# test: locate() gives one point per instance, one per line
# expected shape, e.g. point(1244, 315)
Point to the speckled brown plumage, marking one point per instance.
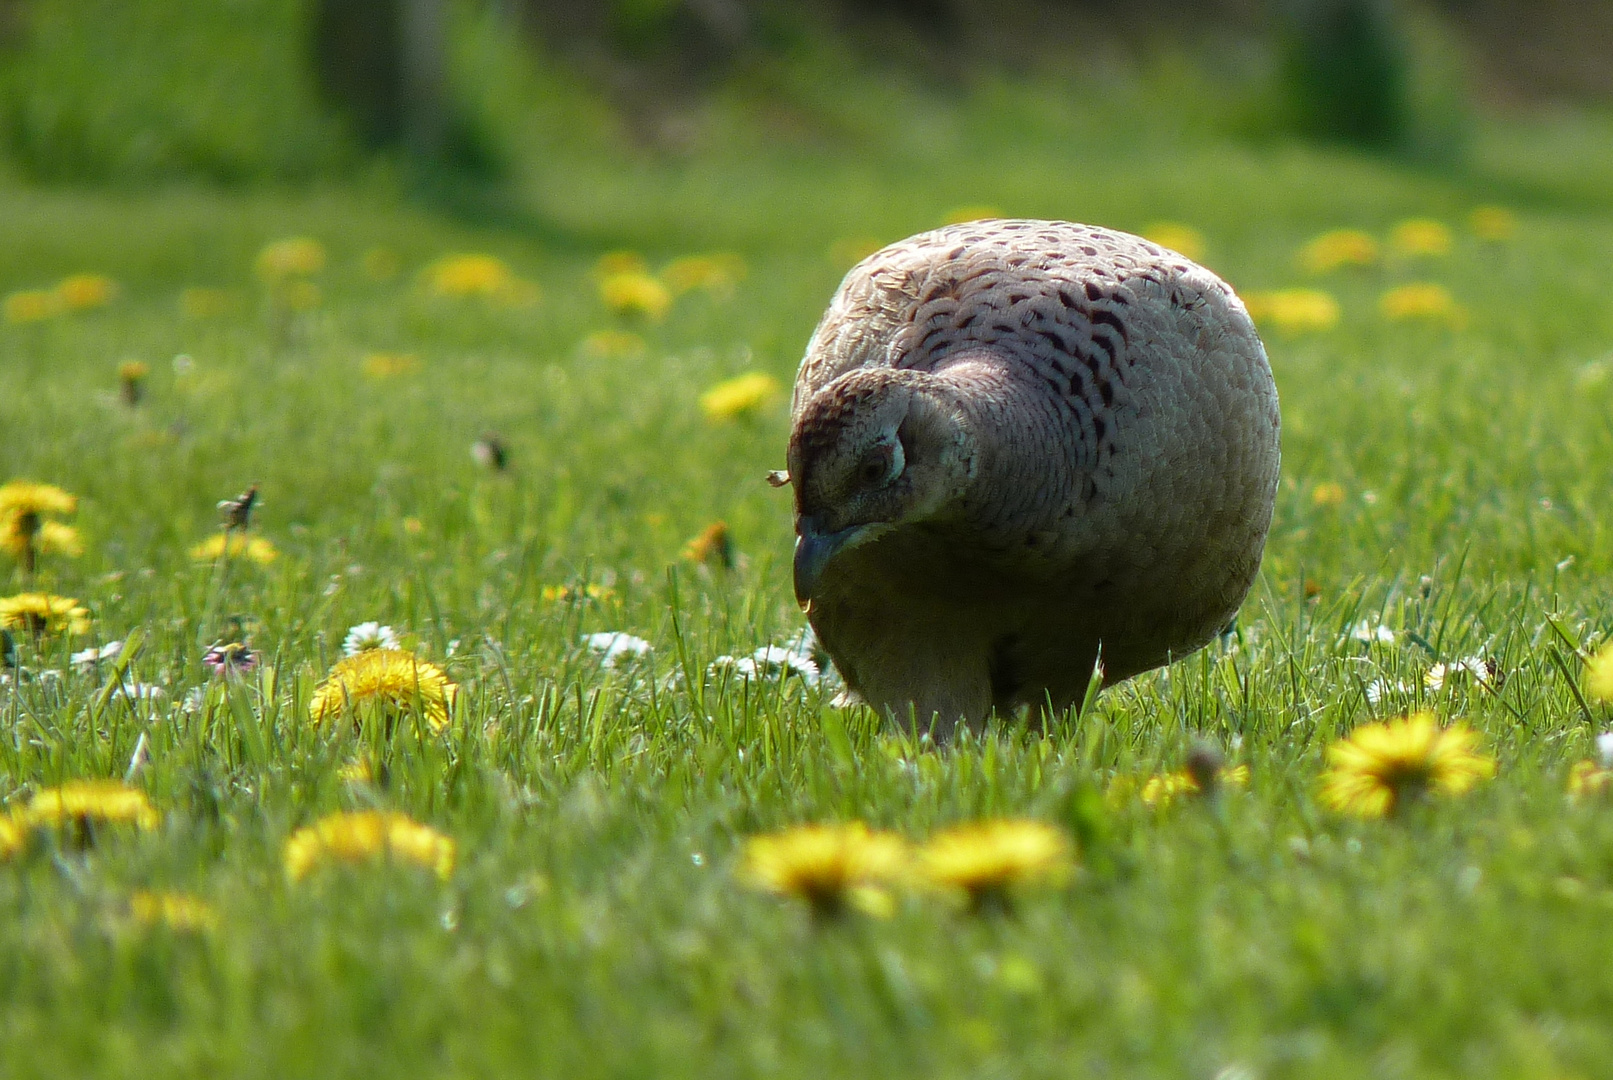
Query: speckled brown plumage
point(1013, 441)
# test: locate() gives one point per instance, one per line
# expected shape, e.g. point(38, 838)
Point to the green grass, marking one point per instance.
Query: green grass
point(594, 926)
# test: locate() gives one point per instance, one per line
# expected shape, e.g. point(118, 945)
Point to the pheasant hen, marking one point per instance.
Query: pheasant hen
point(1019, 448)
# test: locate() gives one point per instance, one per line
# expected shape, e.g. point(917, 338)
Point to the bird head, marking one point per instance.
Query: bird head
point(874, 450)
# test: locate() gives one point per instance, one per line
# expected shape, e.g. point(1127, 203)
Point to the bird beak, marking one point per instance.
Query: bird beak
point(814, 550)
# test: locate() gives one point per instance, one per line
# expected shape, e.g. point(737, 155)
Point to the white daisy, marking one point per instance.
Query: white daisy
point(616, 649)
point(139, 691)
point(1366, 632)
point(1604, 747)
point(369, 635)
point(1476, 666)
point(770, 662)
point(91, 657)
point(1378, 689)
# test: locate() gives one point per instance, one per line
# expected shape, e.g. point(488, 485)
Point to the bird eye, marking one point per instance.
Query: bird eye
point(882, 465)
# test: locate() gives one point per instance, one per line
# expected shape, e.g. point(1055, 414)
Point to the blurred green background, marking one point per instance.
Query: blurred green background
point(500, 96)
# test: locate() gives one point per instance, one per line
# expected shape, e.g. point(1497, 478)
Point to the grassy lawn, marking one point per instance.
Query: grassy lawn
point(1445, 477)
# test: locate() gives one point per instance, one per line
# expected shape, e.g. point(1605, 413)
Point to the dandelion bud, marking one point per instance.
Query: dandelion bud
point(490, 452)
point(132, 381)
point(237, 512)
point(1204, 764)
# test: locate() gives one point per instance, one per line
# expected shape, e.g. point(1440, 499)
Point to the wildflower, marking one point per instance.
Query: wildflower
point(131, 380)
point(1492, 223)
point(32, 305)
point(576, 593)
point(1327, 494)
point(1341, 247)
point(460, 276)
point(92, 656)
point(1381, 767)
point(202, 303)
point(235, 545)
point(635, 293)
point(80, 805)
point(1422, 300)
point(14, 837)
point(739, 396)
point(490, 452)
point(1184, 239)
point(1420, 236)
point(828, 866)
point(177, 911)
point(616, 649)
point(714, 544)
point(770, 662)
point(230, 658)
point(380, 365)
point(1604, 748)
point(975, 212)
point(26, 530)
point(134, 692)
point(1294, 311)
point(381, 264)
point(988, 860)
point(389, 681)
point(1380, 689)
point(81, 292)
point(367, 836)
point(613, 344)
point(1366, 633)
point(293, 257)
point(716, 274)
point(355, 772)
point(1479, 667)
point(620, 262)
point(43, 613)
point(1162, 790)
point(1599, 674)
point(368, 635)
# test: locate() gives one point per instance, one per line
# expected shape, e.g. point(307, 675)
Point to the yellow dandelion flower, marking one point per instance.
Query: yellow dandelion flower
point(179, 912)
point(714, 544)
point(381, 264)
point(1420, 236)
point(1381, 767)
point(1599, 674)
point(14, 836)
point(295, 256)
point(828, 866)
point(252, 548)
point(613, 345)
point(1422, 300)
point(717, 274)
point(33, 305)
point(81, 292)
point(989, 859)
point(81, 804)
point(459, 276)
point(365, 837)
point(1588, 780)
point(1340, 247)
point(43, 613)
point(1327, 494)
point(133, 370)
point(739, 396)
point(202, 303)
point(636, 294)
point(575, 593)
point(958, 215)
point(355, 772)
point(1492, 223)
point(389, 681)
point(27, 497)
point(620, 262)
point(1294, 311)
point(51, 538)
point(1162, 790)
point(1181, 238)
point(379, 365)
